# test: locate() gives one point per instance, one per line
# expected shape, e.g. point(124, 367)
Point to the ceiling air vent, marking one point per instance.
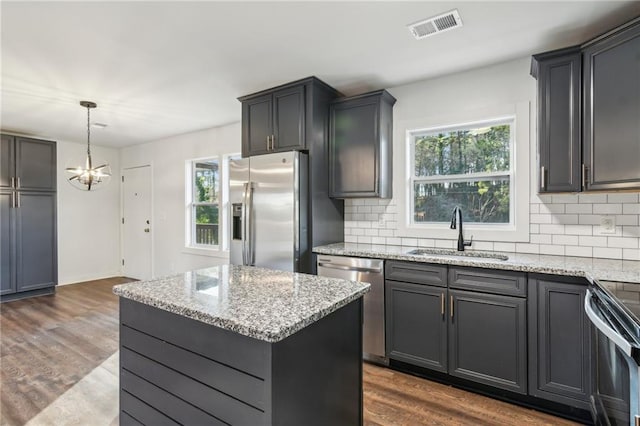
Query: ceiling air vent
point(436, 24)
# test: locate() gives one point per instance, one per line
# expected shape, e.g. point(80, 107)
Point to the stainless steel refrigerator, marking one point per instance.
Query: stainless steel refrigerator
point(269, 211)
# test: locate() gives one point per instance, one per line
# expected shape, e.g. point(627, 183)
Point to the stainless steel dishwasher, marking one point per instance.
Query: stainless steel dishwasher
point(372, 272)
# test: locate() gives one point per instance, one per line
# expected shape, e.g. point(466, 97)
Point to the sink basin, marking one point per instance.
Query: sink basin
point(455, 253)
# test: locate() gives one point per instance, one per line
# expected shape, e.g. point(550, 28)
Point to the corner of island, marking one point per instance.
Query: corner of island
point(241, 345)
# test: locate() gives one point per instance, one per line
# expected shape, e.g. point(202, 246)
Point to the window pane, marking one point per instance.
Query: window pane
point(207, 225)
point(482, 201)
point(206, 181)
point(482, 149)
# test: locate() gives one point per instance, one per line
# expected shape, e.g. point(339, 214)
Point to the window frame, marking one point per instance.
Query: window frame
point(412, 134)
point(192, 205)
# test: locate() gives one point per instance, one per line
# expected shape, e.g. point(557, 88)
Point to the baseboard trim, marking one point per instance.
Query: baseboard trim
point(84, 278)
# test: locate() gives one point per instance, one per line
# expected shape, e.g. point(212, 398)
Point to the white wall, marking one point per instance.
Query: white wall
point(88, 222)
point(557, 224)
point(167, 158)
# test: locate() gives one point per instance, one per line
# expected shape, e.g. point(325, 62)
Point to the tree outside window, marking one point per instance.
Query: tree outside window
point(206, 204)
point(466, 166)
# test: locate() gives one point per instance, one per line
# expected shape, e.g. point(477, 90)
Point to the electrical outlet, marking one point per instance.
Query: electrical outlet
point(607, 224)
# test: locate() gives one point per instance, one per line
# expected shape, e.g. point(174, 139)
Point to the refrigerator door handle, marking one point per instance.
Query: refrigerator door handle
point(250, 218)
point(245, 193)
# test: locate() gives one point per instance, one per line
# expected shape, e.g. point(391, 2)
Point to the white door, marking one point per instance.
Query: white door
point(136, 225)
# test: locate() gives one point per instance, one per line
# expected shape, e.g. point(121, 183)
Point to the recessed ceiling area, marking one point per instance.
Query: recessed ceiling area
point(158, 69)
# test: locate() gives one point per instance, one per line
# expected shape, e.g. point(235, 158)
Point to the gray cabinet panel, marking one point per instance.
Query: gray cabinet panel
point(35, 164)
point(612, 110)
point(7, 164)
point(360, 152)
point(512, 283)
point(416, 324)
point(419, 273)
point(559, 341)
point(256, 125)
point(559, 125)
point(36, 240)
point(288, 119)
point(7, 243)
point(487, 339)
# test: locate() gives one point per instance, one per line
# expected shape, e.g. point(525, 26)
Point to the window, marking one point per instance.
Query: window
point(205, 203)
point(470, 166)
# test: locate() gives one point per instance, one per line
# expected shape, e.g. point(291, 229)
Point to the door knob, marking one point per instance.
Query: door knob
point(146, 229)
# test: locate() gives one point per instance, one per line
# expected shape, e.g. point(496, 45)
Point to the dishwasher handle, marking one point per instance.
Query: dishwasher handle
point(349, 268)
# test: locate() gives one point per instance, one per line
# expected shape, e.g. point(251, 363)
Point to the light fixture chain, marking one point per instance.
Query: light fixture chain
point(89, 131)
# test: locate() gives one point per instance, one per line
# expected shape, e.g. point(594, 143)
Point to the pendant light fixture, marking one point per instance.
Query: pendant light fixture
point(88, 177)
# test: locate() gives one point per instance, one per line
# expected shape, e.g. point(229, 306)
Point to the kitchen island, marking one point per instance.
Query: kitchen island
point(241, 345)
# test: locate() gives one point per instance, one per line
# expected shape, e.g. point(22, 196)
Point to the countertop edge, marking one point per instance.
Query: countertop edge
point(232, 326)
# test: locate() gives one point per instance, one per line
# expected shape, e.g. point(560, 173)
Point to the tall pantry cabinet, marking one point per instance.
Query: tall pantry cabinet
point(28, 243)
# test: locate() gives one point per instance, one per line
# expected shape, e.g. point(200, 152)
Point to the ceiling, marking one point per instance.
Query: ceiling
point(158, 69)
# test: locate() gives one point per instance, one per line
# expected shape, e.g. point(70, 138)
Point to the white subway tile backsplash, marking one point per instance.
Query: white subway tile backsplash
point(393, 241)
point(592, 198)
point(540, 239)
point(552, 250)
point(552, 229)
point(527, 248)
point(578, 251)
point(630, 254)
point(508, 247)
point(627, 219)
point(592, 241)
point(567, 240)
point(631, 209)
point(578, 229)
point(566, 219)
point(579, 208)
point(607, 253)
point(607, 209)
point(622, 242)
point(560, 224)
point(622, 198)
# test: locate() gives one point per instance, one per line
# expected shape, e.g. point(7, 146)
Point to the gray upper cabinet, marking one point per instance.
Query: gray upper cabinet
point(488, 339)
point(559, 341)
point(612, 110)
point(27, 164)
point(7, 163)
point(416, 324)
point(274, 120)
point(360, 146)
point(559, 138)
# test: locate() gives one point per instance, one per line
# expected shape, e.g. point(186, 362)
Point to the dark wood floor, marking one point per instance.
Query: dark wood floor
point(49, 343)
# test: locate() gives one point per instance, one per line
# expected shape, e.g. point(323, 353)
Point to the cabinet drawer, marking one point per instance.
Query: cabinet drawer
point(418, 273)
point(511, 283)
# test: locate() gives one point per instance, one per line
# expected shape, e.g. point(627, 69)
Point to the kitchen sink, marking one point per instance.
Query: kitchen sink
point(455, 253)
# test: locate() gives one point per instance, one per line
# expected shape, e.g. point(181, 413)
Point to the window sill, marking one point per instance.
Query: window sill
point(210, 252)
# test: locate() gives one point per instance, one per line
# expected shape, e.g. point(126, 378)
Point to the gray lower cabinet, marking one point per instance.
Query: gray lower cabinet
point(416, 324)
point(559, 341)
point(488, 339)
point(7, 243)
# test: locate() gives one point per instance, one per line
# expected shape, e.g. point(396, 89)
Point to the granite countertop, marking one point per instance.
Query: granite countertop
point(261, 303)
point(591, 268)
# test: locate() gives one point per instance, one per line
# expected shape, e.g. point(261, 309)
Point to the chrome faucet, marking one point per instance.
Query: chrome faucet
point(456, 218)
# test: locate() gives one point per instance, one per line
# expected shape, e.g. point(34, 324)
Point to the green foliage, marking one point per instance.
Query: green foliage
point(459, 153)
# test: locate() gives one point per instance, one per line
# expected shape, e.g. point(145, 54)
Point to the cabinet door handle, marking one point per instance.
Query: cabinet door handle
point(13, 200)
point(13, 182)
point(273, 142)
point(268, 142)
point(451, 307)
point(543, 178)
point(18, 200)
point(442, 304)
point(18, 184)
